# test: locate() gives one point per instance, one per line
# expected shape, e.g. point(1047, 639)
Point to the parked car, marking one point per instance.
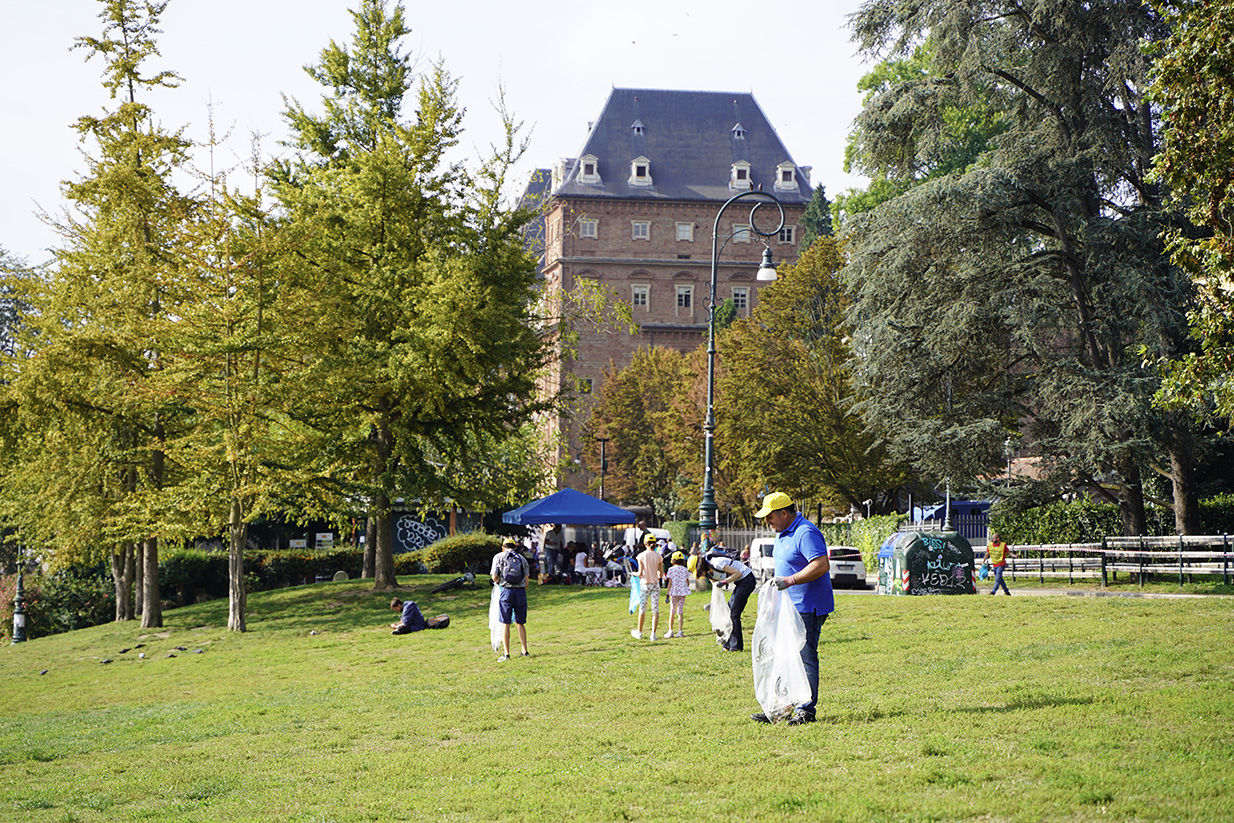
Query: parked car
point(847, 569)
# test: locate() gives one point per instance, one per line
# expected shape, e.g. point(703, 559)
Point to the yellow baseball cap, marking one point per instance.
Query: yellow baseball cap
point(649, 538)
point(773, 502)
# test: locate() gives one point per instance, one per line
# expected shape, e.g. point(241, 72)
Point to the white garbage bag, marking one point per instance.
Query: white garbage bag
point(721, 620)
point(495, 629)
point(780, 682)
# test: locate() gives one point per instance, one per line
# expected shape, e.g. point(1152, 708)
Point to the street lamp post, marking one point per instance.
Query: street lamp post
point(766, 273)
point(603, 463)
point(19, 604)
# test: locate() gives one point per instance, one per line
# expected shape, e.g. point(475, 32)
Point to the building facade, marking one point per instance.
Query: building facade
point(634, 212)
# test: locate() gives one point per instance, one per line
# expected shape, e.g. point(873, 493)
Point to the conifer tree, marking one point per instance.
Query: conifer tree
point(1011, 294)
point(93, 436)
point(426, 348)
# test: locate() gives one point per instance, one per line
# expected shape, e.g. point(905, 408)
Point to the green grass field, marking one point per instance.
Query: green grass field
point(961, 708)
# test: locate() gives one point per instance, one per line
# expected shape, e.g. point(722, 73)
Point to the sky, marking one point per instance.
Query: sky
point(556, 64)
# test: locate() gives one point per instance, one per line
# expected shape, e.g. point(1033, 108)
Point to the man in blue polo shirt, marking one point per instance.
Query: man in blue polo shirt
point(803, 570)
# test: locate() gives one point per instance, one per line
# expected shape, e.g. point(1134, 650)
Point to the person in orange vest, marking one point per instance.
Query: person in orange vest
point(997, 553)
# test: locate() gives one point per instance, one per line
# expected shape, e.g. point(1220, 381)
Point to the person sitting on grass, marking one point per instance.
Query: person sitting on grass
point(411, 619)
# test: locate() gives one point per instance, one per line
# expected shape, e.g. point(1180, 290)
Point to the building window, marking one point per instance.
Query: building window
point(742, 233)
point(640, 172)
point(640, 229)
point(788, 234)
point(685, 297)
point(638, 295)
point(741, 298)
point(589, 169)
point(588, 227)
point(786, 177)
point(739, 132)
point(685, 231)
point(739, 177)
point(639, 129)
point(586, 385)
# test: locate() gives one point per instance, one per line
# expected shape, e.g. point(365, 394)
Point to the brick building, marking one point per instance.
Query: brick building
point(635, 211)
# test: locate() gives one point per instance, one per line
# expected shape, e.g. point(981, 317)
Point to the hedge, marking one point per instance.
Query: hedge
point(1087, 521)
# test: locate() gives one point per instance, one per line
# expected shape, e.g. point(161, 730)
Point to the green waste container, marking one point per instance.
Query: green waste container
point(926, 563)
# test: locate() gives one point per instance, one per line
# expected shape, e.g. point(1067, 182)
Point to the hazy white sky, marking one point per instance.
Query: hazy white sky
point(557, 63)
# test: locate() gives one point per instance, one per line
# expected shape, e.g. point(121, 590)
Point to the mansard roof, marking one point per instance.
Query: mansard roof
point(691, 140)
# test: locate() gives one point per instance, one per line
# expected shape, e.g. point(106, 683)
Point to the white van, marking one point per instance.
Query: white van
point(631, 537)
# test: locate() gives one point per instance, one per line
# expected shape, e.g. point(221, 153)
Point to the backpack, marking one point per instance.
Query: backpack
point(511, 568)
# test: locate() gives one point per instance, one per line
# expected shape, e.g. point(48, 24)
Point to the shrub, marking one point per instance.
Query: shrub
point(865, 535)
point(1087, 521)
point(72, 598)
point(679, 530)
point(472, 551)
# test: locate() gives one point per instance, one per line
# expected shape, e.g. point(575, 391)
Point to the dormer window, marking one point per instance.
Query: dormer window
point(640, 172)
point(786, 177)
point(739, 176)
point(589, 169)
point(639, 128)
point(739, 132)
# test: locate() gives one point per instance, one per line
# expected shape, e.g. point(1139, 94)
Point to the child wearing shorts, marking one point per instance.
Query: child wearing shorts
point(678, 587)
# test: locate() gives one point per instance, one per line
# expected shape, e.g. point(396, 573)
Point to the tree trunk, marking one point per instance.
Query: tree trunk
point(122, 568)
point(370, 545)
point(383, 553)
point(237, 531)
point(152, 600)
point(139, 579)
point(1182, 473)
point(1131, 501)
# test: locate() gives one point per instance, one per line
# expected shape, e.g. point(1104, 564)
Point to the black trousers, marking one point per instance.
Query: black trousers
point(742, 590)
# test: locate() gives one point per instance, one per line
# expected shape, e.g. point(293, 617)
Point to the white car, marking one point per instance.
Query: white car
point(847, 569)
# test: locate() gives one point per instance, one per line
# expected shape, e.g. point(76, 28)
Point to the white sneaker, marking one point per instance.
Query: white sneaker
point(653, 635)
point(636, 634)
point(681, 634)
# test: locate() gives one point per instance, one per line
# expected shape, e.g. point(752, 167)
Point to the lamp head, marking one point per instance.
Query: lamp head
point(766, 271)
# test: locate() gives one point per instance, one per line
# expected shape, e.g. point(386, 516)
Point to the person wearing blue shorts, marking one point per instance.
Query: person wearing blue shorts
point(510, 571)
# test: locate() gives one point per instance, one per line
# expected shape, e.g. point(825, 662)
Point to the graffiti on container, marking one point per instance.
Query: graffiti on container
point(938, 567)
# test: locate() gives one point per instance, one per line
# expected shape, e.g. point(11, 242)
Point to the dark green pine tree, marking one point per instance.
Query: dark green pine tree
point(1009, 295)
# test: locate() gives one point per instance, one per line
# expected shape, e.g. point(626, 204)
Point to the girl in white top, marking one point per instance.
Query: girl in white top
point(678, 587)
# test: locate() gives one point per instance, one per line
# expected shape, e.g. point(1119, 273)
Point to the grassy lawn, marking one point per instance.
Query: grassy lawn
point(936, 708)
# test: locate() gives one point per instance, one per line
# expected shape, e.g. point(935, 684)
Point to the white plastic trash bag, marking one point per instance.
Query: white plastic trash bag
point(721, 620)
point(780, 683)
point(636, 592)
point(495, 629)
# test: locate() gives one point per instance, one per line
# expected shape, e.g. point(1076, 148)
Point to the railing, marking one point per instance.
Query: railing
point(1183, 555)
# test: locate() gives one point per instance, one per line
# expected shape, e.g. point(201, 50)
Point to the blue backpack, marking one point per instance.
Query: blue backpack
point(511, 568)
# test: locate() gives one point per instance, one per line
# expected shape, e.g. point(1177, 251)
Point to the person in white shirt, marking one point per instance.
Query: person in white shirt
point(721, 569)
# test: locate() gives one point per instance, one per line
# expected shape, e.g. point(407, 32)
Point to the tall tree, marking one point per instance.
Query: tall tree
point(1193, 85)
point(1012, 291)
point(787, 392)
point(426, 345)
point(91, 343)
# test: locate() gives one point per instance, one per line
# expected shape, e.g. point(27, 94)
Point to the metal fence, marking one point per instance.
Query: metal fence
point(1137, 558)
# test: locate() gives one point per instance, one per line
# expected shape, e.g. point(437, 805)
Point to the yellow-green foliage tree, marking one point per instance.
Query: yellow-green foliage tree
point(786, 394)
point(1192, 83)
point(426, 349)
point(92, 465)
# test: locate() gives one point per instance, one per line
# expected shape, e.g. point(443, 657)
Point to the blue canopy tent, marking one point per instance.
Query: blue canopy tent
point(568, 507)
